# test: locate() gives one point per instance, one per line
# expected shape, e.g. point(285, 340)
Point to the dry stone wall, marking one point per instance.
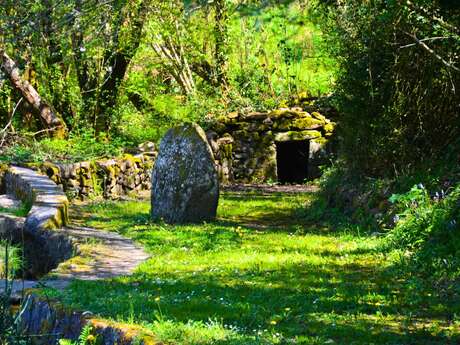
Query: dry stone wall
point(52, 322)
point(110, 178)
point(244, 144)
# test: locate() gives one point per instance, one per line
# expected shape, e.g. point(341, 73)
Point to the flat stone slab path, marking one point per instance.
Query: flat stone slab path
point(104, 255)
point(9, 202)
point(113, 255)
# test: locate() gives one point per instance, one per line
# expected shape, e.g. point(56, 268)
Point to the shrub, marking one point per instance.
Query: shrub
point(427, 229)
point(399, 101)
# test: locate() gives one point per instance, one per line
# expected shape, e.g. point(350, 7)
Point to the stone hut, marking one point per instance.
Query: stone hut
point(286, 145)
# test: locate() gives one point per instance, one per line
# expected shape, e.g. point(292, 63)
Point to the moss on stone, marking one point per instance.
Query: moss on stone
point(322, 141)
point(96, 181)
point(131, 333)
point(318, 116)
point(329, 127)
point(226, 151)
point(301, 123)
point(246, 126)
point(134, 160)
point(47, 168)
point(293, 136)
point(242, 134)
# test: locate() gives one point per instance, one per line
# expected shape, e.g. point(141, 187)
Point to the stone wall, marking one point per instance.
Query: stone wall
point(53, 321)
point(110, 178)
point(44, 246)
point(244, 144)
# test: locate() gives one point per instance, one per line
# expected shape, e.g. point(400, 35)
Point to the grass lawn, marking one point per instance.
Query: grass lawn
point(261, 275)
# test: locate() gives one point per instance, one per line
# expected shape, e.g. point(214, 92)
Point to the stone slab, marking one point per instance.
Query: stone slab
point(9, 202)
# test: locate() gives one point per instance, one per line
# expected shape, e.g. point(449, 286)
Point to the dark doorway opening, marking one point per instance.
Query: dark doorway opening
point(292, 161)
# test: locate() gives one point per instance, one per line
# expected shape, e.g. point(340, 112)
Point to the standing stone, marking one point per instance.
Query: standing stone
point(185, 185)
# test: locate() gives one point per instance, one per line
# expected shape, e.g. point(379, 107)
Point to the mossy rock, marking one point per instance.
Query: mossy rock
point(281, 113)
point(244, 126)
point(295, 136)
point(52, 171)
point(3, 169)
point(135, 160)
point(125, 334)
point(321, 141)
point(318, 116)
point(329, 127)
point(185, 184)
point(303, 123)
point(242, 134)
point(288, 113)
point(255, 116)
point(233, 115)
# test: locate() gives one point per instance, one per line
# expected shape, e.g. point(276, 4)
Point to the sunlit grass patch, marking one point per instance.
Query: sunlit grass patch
point(260, 274)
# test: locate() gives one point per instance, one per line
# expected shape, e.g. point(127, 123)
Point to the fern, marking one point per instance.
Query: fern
point(84, 335)
point(85, 338)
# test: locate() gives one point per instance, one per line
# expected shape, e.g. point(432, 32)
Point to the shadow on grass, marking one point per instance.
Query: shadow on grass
point(345, 294)
point(295, 213)
point(356, 304)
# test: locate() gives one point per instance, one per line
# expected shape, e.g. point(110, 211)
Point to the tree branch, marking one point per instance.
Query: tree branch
point(432, 52)
point(47, 115)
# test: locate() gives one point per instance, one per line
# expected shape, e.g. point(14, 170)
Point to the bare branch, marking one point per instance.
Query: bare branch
point(424, 40)
point(4, 130)
point(432, 52)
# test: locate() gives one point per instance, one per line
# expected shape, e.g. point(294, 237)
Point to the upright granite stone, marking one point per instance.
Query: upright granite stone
point(185, 184)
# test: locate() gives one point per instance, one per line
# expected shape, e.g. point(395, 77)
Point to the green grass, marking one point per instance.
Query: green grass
point(261, 275)
point(10, 260)
point(20, 211)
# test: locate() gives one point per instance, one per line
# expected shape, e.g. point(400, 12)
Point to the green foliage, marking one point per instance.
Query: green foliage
point(428, 228)
point(419, 225)
point(277, 52)
point(398, 100)
point(74, 64)
point(346, 197)
point(11, 261)
point(10, 332)
point(115, 83)
point(78, 147)
point(160, 113)
point(20, 211)
point(85, 338)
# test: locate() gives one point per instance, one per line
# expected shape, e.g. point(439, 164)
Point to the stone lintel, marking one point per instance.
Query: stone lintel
point(296, 136)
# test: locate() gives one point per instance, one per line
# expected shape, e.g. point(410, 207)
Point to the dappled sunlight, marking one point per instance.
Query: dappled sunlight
point(264, 286)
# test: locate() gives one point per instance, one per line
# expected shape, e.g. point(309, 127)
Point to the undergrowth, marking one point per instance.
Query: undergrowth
point(78, 147)
point(417, 215)
point(427, 230)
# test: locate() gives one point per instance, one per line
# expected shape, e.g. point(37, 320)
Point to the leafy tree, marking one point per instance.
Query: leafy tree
point(78, 51)
point(398, 87)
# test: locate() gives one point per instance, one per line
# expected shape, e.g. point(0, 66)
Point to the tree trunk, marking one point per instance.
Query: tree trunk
point(52, 122)
point(221, 42)
point(109, 92)
point(175, 62)
point(118, 63)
